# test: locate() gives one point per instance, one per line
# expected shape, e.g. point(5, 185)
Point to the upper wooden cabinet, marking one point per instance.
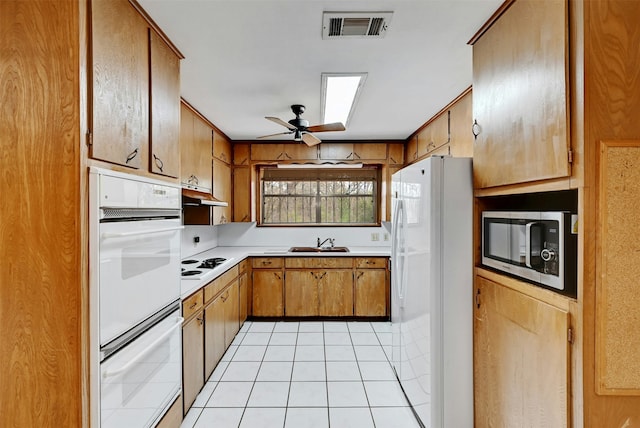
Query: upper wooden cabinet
point(165, 108)
point(242, 194)
point(196, 139)
point(520, 95)
point(120, 84)
point(135, 91)
point(396, 154)
point(221, 147)
point(221, 191)
point(283, 151)
point(241, 154)
point(353, 152)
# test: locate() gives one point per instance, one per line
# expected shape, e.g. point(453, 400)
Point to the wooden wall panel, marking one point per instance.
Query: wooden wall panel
point(42, 247)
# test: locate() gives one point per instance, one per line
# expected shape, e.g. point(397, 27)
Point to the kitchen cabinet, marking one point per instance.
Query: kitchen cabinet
point(196, 145)
point(241, 154)
point(242, 194)
point(371, 293)
point(192, 354)
point(214, 334)
point(222, 191)
point(411, 151)
point(521, 356)
point(221, 147)
point(243, 292)
point(520, 95)
point(231, 299)
point(301, 293)
point(396, 154)
point(135, 91)
point(165, 109)
point(434, 135)
point(353, 151)
point(120, 84)
point(267, 287)
point(173, 417)
point(318, 292)
point(283, 152)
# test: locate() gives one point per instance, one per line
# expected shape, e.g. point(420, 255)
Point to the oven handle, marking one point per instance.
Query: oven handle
point(145, 351)
point(107, 235)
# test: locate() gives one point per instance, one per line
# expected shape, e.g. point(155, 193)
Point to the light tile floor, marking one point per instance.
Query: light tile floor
point(304, 375)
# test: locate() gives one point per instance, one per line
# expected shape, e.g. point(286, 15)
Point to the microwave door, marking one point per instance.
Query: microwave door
point(534, 242)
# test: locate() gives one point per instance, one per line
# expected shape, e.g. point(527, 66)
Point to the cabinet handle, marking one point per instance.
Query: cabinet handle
point(245, 218)
point(277, 276)
point(475, 129)
point(132, 155)
point(193, 305)
point(266, 262)
point(158, 162)
point(360, 275)
point(287, 156)
point(355, 155)
point(280, 156)
point(225, 296)
point(223, 157)
point(192, 179)
point(322, 276)
point(200, 320)
point(350, 155)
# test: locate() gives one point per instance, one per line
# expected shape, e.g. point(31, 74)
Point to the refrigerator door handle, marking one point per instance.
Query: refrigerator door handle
point(397, 252)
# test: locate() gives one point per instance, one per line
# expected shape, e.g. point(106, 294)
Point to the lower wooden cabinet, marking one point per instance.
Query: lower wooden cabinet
point(371, 292)
point(173, 417)
point(243, 293)
point(267, 295)
point(320, 286)
point(192, 358)
point(214, 334)
point(231, 299)
point(521, 360)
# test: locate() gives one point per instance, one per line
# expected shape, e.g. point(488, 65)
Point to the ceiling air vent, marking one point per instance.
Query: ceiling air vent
point(363, 25)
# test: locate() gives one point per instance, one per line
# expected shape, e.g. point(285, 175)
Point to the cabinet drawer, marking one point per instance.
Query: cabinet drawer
point(243, 266)
point(318, 262)
point(215, 286)
point(192, 304)
point(267, 262)
point(371, 262)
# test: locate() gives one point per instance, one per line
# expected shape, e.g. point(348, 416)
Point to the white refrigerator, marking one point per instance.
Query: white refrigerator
point(432, 289)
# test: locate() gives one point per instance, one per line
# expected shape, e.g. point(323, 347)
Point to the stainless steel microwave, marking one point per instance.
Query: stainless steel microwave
point(539, 247)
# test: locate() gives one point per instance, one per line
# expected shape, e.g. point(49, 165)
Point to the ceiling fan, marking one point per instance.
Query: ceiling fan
point(301, 129)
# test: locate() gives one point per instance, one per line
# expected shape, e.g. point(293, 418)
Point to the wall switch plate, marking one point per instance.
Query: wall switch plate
point(385, 236)
point(196, 239)
point(375, 236)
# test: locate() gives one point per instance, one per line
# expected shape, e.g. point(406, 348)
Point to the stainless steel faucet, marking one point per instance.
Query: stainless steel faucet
point(320, 244)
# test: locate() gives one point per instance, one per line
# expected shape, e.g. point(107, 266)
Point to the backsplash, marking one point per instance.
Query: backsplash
point(208, 237)
point(248, 235)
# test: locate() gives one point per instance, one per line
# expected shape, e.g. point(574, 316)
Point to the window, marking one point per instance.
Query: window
point(320, 196)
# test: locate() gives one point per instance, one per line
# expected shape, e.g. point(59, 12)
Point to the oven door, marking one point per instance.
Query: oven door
point(140, 380)
point(139, 272)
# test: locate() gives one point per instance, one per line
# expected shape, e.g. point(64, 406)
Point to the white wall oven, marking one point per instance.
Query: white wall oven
point(135, 227)
point(537, 246)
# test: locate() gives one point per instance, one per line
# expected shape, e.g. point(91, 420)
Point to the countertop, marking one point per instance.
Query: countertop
point(235, 255)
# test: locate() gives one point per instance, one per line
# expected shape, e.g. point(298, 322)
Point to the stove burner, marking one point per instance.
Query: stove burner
point(211, 263)
point(191, 272)
point(188, 262)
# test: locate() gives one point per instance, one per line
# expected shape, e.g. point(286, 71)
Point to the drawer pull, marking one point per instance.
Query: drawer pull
point(360, 275)
point(193, 305)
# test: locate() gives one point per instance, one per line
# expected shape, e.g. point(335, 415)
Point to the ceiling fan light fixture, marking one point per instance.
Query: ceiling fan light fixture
point(340, 93)
point(297, 136)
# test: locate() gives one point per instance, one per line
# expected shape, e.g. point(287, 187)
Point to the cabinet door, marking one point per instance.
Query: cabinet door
point(241, 154)
point(396, 154)
point(221, 147)
point(371, 292)
point(461, 135)
point(300, 151)
point(411, 153)
point(520, 95)
point(231, 313)
point(267, 290)
point(192, 359)
point(187, 154)
point(266, 151)
point(202, 147)
point(214, 340)
point(164, 145)
point(243, 293)
point(241, 194)
point(301, 293)
point(120, 87)
point(222, 191)
point(521, 360)
point(335, 288)
point(370, 151)
point(336, 151)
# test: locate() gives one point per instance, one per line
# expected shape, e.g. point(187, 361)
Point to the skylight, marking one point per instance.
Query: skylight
point(340, 92)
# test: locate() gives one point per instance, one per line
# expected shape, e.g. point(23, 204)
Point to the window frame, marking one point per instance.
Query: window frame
point(375, 169)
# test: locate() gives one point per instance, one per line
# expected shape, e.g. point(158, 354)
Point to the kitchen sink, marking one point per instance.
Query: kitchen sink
point(318, 250)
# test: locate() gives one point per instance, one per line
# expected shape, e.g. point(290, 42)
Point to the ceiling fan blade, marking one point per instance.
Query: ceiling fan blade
point(337, 126)
point(310, 139)
point(275, 135)
point(281, 122)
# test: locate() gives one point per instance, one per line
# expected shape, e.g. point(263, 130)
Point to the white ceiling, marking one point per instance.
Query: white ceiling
point(248, 59)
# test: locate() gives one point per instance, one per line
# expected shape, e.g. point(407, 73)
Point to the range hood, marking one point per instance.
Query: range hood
point(194, 198)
